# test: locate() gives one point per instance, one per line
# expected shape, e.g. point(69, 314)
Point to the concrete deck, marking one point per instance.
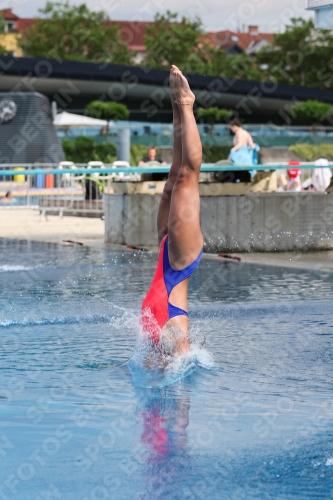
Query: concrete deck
point(27, 225)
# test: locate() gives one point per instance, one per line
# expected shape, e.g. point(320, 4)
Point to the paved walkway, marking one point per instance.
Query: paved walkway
point(27, 225)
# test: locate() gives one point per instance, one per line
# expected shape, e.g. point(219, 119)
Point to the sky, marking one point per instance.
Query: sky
point(269, 15)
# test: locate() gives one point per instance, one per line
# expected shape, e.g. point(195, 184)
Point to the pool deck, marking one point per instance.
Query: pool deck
point(28, 225)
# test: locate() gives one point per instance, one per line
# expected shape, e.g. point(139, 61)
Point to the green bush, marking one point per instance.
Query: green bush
point(79, 150)
point(107, 110)
point(137, 152)
point(85, 145)
point(83, 149)
point(309, 152)
point(311, 111)
point(105, 152)
point(69, 148)
point(213, 115)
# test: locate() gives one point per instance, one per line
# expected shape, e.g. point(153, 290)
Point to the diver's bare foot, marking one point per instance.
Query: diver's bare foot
point(181, 92)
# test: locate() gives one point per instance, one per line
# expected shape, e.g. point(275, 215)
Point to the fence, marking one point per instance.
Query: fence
point(79, 190)
point(54, 190)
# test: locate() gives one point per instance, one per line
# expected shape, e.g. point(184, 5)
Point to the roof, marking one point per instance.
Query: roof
point(8, 15)
point(113, 73)
point(75, 84)
point(133, 32)
point(226, 39)
point(22, 24)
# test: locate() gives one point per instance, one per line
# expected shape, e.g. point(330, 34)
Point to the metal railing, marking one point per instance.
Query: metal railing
point(8, 170)
point(79, 190)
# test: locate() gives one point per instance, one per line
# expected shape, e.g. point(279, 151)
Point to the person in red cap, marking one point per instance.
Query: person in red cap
point(294, 183)
point(294, 180)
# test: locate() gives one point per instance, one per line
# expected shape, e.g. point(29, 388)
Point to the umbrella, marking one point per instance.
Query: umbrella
point(66, 120)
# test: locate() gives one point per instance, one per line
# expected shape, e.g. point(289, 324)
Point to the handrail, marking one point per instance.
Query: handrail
point(207, 167)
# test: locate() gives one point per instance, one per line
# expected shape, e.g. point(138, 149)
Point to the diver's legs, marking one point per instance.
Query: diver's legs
point(185, 237)
point(164, 208)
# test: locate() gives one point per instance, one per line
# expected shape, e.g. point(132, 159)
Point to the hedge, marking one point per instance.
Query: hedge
point(83, 149)
point(309, 152)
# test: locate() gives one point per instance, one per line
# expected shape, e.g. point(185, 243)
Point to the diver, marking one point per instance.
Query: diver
point(164, 310)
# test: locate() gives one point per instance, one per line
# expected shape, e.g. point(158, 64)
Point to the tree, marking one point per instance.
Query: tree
point(213, 115)
point(312, 112)
point(81, 150)
point(299, 56)
point(170, 40)
point(3, 50)
point(220, 63)
point(75, 33)
point(107, 111)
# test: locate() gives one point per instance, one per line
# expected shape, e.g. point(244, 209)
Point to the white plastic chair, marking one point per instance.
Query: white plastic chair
point(65, 165)
point(120, 164)
point(95, 164)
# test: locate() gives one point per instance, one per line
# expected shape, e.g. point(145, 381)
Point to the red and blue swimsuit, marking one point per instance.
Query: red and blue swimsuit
point(156, 307)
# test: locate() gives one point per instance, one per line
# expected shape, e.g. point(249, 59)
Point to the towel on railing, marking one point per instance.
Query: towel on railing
point(245, 156)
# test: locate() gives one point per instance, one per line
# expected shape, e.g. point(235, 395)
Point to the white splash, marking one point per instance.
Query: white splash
point(158, 365)
point(9, 268)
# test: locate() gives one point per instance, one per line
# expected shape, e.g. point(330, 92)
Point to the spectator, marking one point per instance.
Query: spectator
point(294, 180)
point(7, 198)
point(151, 156)
point(244, 152)
point(93, 187)
point(242, 138)
point(321, 176)
point(104, 130)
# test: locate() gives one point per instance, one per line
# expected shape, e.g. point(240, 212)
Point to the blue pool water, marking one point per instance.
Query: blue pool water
point(251, 420)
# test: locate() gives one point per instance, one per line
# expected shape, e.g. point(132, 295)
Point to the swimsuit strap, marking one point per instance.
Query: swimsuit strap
point(172, 277)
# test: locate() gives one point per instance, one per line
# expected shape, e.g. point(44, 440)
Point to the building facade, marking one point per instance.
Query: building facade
point(323, 13)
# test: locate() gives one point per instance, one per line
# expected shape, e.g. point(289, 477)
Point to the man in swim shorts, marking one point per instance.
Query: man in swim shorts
point(164, 310)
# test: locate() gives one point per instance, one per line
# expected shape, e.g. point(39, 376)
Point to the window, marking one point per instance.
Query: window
point(10, 26)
